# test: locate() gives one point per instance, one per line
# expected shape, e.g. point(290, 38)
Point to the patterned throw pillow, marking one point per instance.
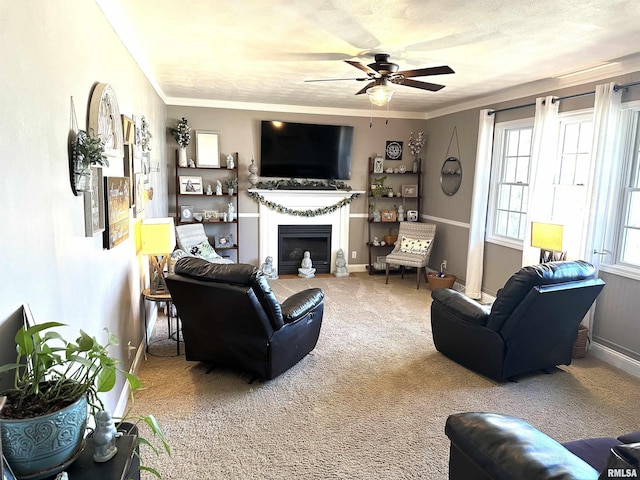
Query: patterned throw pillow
point(204, 250)
point(412, 245)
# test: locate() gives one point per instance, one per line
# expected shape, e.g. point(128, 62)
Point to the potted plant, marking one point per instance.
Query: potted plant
point(231, 184)
point(88, 150)
point(56, 385)
point(183, 137)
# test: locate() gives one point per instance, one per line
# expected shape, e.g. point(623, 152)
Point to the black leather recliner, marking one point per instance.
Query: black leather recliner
point(231, 318)
point(491, 446)
point(532, 325)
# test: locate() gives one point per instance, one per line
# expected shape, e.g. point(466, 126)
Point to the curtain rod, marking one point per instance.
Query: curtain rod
point(566, 97)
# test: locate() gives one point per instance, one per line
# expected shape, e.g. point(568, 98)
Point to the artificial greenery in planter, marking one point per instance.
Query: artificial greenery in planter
point(231, 184)
point(51, 375)
point(88, 151)
point(182, 133)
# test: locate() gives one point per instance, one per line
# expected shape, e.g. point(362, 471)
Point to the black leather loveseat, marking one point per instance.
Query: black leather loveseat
point(532, 325)
point(231, 318)
point(501, 447)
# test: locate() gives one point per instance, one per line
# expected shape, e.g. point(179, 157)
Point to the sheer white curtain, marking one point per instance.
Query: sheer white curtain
point(543, 159)
point(605, 173)
point(478, 221)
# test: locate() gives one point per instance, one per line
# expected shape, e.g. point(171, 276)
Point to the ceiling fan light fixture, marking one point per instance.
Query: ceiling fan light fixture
point(380, 95)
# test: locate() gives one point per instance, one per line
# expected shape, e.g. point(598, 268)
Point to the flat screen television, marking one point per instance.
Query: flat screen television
point(303, 150)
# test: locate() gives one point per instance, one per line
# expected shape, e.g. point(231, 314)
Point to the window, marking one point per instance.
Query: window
point(628, 251)
point(571, 178)
point(510, 183)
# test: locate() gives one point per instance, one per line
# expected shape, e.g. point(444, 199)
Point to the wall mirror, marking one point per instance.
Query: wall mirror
point(451, 176)
point(207, 149)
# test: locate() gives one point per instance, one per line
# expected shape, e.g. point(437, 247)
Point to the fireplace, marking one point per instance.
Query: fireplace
point(294, 240)
point(271, 219)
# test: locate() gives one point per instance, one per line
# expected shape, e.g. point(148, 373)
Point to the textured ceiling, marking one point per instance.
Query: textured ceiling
point(262, 51)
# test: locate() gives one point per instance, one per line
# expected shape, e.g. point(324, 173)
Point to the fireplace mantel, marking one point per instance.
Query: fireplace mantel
point(303, 200)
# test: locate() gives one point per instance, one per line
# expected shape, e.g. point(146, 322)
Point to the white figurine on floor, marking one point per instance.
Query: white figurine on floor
point(341, 265)
point(306, 269)
point(104, 438)
point(268, 269)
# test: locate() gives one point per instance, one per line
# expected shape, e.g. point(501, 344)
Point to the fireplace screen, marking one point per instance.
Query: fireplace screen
point(294, 240)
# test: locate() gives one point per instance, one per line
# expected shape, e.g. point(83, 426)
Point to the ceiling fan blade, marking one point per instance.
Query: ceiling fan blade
point(423, 72)
point(366, 87)
point(365, 68)
point(335, 79)
point(433, 87)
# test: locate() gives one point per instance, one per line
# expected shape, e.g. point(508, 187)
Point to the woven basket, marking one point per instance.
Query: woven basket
point(390, 239)
point(580, 347)
point(440, 282)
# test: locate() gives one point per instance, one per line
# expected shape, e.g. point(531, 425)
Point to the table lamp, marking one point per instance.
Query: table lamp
point(548, 238)
point(158, 237)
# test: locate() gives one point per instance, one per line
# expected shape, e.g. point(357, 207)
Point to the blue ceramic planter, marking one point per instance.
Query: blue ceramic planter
point(40, 445)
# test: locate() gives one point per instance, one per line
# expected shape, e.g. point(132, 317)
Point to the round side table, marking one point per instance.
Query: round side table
point(162, 297)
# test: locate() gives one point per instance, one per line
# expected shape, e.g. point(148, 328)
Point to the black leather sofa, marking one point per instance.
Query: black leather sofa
point(532, 325)
point(231, 318)
point(501, 447)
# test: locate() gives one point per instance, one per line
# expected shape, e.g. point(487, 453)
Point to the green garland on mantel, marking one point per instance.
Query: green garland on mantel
point(283, 184)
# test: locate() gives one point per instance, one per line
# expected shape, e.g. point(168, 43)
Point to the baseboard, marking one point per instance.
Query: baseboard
point(617, 359)
point(141, 351)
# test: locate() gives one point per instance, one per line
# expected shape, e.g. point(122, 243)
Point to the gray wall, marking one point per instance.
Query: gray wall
point(240, 132)
point(616, 319)
point(52, 51)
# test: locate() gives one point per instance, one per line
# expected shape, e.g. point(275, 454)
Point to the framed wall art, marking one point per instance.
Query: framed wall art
point(116, 194)
point(393, 151)
point(410, 191)
point(94, 204)
point(388, 215)
point(223, 241)
point(190, 185)
point(207, 149)
point(186, 213)
point(105, 120)
point(378, 164)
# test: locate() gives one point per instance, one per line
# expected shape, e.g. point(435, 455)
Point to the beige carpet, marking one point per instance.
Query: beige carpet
point(370, 402)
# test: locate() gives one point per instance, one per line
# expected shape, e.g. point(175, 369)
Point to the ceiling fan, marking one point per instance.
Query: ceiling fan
point(382, 72)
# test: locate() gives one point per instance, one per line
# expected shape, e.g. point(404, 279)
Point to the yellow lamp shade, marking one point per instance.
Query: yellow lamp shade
point(547, 236)
point(158, 236)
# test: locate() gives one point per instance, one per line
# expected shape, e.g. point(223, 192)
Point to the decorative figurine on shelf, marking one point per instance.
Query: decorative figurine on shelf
point(400, 214)
point(306, 269)
point(376, 242)
point(268, 269)
point(104, 438)
point(341, 265)
point(230, 162)
point(192, 164)
point(209, 190)
point(231, 211)
point(224, 216)
point(218, 187)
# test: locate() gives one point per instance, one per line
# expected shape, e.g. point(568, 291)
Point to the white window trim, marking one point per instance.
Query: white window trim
point(630, 120)
point(496, 165)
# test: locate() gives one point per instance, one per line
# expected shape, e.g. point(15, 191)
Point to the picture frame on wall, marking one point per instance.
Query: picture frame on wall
point(190, 185)
point(186, 213)
point(410, 191)
point(94, 204)
point(116, 194)
point(223, 240)
point(207, 149)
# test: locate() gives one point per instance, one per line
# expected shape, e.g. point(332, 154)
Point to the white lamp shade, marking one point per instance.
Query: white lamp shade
point(380, 95)
point(547, 236)
point(158, 236)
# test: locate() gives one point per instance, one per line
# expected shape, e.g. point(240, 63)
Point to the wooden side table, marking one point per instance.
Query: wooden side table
point(161, 298)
